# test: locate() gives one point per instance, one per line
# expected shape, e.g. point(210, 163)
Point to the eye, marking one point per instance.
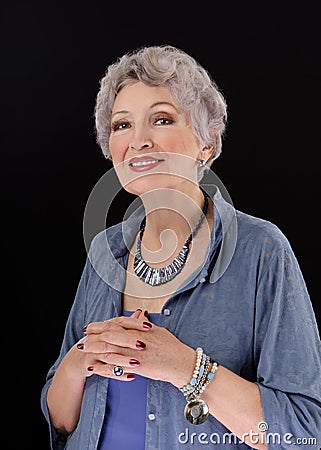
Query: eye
point(120, 125)
point(163, 121)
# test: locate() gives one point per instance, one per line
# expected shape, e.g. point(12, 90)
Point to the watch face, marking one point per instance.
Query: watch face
point(196, 411)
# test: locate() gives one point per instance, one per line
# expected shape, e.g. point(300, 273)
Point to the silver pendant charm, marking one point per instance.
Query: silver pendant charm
point(196, 411)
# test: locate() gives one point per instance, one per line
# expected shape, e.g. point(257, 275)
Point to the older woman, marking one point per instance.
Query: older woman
point(157, 353)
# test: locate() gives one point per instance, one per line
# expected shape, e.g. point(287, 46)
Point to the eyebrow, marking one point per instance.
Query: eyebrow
point(152, 106)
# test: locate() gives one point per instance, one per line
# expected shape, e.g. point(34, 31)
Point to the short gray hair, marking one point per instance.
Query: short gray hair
point(191, 86)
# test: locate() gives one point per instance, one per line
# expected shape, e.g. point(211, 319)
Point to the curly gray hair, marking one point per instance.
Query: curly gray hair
point(192, 88)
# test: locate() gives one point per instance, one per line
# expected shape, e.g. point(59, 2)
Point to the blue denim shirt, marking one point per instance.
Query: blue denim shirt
point(247, 305)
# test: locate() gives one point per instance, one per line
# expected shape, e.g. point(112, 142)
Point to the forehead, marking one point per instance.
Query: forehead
point(138, 95)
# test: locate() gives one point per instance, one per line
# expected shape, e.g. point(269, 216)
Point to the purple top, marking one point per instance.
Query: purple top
point(125, 418)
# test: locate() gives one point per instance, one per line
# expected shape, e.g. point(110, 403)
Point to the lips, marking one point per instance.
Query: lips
point(143, 163)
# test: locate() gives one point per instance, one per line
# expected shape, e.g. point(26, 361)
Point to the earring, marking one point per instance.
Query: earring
point(202, 162)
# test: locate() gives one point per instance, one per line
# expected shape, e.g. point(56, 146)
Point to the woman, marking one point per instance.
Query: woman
point(158, 353)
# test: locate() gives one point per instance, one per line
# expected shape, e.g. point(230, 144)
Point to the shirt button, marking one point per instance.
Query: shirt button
point(151, 416)
point(167, 312)
point(202, 280)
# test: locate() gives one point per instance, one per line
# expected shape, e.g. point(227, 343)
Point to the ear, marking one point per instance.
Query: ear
point(207, 152)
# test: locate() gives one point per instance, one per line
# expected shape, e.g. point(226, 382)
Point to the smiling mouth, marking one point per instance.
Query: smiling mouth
point(145, 163)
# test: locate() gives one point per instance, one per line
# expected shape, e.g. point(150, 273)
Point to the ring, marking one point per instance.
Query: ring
point(118, 371)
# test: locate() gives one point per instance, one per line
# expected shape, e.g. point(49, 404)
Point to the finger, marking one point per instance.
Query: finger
point(111, 340)
point(124, 322)
point(106, 370)
point(97, 346)
point(137, 313)
point(113, 359)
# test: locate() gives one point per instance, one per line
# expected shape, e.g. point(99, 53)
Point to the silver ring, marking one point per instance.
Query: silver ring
point(118, 371)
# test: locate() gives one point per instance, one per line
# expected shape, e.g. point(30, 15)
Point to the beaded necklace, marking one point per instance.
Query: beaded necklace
point(157, 276)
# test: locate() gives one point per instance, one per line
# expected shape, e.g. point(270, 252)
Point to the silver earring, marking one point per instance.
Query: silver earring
point(202, 162)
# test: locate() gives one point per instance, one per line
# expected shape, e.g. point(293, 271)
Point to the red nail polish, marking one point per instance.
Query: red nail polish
point(146, 313)
point(131, 376)
point(80, 346)
point(84, 329)
point(147, 325)
point(90, 368)
point(134, 362)
point(140, 345)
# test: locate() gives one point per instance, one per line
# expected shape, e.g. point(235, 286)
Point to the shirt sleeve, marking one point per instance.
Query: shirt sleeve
point(287, 352)
point(73, 332)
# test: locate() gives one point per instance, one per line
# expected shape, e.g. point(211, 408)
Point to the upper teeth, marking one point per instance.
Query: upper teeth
point(144, 163)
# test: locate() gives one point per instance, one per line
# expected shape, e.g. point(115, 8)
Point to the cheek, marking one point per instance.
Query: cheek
point(118, 147)
point(183, 142)
point(173, 143)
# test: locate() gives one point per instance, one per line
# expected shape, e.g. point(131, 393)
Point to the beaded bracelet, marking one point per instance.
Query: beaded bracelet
point(196, 410)
point(188, 388)
point(201, 380)
point(209, 377)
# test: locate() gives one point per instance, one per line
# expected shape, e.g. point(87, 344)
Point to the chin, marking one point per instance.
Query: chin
point(147, 183)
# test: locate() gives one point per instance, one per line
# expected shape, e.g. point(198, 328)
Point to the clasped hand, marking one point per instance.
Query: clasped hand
point(139, 347)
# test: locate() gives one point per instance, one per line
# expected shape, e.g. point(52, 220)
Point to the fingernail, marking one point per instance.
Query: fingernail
point(138, 309)
point(134, 362)
point(90, 368)
point(147, 325)
point(131, 376)
point(140, 344)
point(80, 346)
point(84, 329)
point(146, 313)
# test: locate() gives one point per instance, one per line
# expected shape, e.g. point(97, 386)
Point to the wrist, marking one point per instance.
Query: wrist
point(196, 410)
point(182, 373)
point(73, 366)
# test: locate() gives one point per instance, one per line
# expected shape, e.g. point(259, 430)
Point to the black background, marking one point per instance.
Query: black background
point(266, 62)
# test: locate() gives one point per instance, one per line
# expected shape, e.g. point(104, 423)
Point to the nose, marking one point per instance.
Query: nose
point(140, 140)
point(140, 145)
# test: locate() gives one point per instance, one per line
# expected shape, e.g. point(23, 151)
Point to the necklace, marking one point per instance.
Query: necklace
point(161, 275)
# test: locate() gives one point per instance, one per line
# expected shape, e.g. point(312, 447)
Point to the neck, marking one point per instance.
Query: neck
point(171, 216)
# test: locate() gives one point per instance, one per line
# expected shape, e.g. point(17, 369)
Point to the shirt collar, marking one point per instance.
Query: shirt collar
point(120, 237)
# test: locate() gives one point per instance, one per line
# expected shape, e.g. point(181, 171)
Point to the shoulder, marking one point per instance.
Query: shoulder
point(109, 241)
point(117, 239)
point(264, 251)
point(251, 234)
point(260, 235)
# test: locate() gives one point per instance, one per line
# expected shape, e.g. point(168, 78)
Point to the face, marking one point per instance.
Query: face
point(151, 142)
